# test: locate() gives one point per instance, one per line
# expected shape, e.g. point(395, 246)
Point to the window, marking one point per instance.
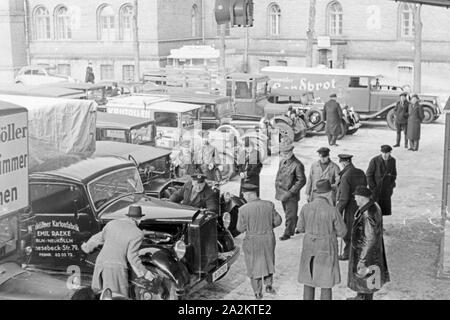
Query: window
point(64, 69)
point(282, 63)
point(263, 64)
point(106, 23)
point(166, 119)
point(335, 17)
point(227, 29)
point(42, 23)
point(56, 198)
point(107, 72)
point(128, 73)
point(126, 22)
point(8, 235)
point(195, 22)
point(406, 20)
point(274, 19)
point(63, 24)
point(243, 90)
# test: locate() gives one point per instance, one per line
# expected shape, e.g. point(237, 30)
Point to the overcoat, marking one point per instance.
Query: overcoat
point(415, 119)
point(332, 114)
point(207, 198)
point(401, 112)
point(331, 173)
point(252, 167)
point(258, 219)
point(322, 224)
point(381, 177)
point(290, 179)
point(367, 267)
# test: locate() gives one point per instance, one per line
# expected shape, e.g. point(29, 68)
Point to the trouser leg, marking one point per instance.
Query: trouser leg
point(330, 139)
point(309, 293)
point(326, 294)
point(406, 135)
point(333, 140)
point(348, 218)
point(417, 145)
point(291, 210)
point(368, 296)
point(399, 134)
point(256, 285)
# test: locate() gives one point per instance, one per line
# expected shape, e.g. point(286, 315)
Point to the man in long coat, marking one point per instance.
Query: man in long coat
point(401, 119)
point(332, 115)
point(322, 224)
point(289, 181)
point(90, 77)
point(350, 178)
point(121, 240)
point(381, 177)
point(415, 119)
point(324, 168)
point(367, 268)
point(257, 219)
point(252, 166)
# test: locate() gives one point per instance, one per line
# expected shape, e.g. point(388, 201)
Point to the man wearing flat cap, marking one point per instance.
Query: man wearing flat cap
point(416, 116)
point(121, 240)
point(289, 181)
point(367, 267)
point(257, 219)
point(350, 178)
point(401, 113)
point(332, 115)
point(381, 177)
point(321, 223)
point(198, 194)
point(324, 168)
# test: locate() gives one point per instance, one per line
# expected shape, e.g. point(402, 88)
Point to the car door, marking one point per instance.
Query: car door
point(62, 221)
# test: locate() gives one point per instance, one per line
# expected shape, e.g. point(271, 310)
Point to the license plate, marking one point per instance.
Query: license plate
point(220, 272)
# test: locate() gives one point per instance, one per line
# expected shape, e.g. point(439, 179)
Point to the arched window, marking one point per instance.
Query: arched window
point(334, 18)
point(126, 22)
point(406, 12)
point(63, 24)
point(274, 13)
point(106, 23)
point(195, 21)
point(41, 23)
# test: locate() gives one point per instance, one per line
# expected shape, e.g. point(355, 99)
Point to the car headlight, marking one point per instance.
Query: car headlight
point(220, 168)
point(180, 249)
point(226, 218)
point(28, 251)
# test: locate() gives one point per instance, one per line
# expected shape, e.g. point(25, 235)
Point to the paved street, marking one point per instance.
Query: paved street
point(413, 233)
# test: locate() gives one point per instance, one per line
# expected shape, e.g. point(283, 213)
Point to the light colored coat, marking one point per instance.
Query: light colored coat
point(258, 219)
point(322, 224)
point(121, 240)
point(331, 173)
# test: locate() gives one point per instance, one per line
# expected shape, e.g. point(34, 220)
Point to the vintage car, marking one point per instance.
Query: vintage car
point(73, 198)
point(36, 75)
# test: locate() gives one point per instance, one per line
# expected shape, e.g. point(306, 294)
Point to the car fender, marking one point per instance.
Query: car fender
point(283, 118)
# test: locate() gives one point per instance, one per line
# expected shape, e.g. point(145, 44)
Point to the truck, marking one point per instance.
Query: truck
point(356, 89)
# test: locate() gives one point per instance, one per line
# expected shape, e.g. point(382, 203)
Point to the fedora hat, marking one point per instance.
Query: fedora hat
point(323, 186)
point(135, 212)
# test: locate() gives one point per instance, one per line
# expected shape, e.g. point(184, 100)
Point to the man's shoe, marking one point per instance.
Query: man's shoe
point(285, 237)
point(396, 146)
point(270, 290)
point(258, 296)
point(343, 257)
point(297, 231)
point(410, 149)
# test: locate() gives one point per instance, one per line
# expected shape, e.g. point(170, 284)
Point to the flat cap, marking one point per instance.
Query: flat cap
point(333, 95)
point(248, 187)
point(362, 191)
point(386, 149)
point(345, 157)
point(324, 151)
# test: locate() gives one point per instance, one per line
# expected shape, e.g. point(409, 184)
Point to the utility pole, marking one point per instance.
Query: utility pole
point(247, 40)
point(137, 62)
point(310, 33)
point(417, 49)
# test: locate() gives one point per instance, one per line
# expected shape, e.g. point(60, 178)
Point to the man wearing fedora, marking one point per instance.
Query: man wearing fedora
point(289, 181)
point(321, 223)
point(367, 268)
point(251, 167)
point(198, 194)
point(416, 116)
point(350, 178)
point(401, 113)
point(324, 168)
point(381, 177)
point(121, 240)
point(332, 115)
point(257, 219)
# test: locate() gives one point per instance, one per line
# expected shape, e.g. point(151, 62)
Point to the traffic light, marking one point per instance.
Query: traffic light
point(237, 12)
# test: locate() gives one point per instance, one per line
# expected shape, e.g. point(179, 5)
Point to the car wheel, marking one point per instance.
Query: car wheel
point(344, 129)
point(167, 292)
point(390, 119)
point(314, 117)
point(429, 114)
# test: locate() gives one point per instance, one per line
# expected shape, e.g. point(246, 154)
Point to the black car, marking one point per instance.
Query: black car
point(73, 198)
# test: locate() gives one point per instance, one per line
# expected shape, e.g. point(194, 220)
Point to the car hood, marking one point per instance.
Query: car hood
point(152, 208)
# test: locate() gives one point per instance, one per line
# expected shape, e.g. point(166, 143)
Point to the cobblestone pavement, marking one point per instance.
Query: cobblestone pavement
point(413, 233)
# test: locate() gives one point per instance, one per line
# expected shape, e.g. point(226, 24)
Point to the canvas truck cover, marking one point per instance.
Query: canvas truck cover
point(57, 126)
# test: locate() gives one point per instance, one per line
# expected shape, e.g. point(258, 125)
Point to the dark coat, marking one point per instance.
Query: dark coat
point(290, 180)
point(381, 180)
point(207, 198)
point(415, 119)
point(367, 251)
point(350, 178)
point(252, 168)
point(332, 114)
point(90, 77)
point(401, 112)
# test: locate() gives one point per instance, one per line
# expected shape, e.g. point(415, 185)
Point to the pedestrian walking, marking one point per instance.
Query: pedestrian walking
point(350, 178)
point(322, 224)
point(90, 77)
point(332, 115)
point(121, 240)
point(250, 170)
point(324, 168)
point(257, 219)
point(401, 113)
point(381, 177)
point(289, 181)
point(367, 268)
point(416, 116)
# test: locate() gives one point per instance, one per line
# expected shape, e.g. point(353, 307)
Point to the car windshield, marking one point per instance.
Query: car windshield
point(114, 185)
point(143, 135)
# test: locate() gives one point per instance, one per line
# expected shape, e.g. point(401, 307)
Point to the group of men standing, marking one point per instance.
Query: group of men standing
point(408, 118)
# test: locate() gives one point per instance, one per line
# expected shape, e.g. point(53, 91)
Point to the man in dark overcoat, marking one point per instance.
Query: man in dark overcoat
point(252, 166)
point(401, 112)
point(350, 178)
point(415, 119)
point(381, 177)
point(367, 268)
point(90, 77)
point(332, 115)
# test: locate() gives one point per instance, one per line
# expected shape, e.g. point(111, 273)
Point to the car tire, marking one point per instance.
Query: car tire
point(429, 115)
point(314, 117)
point(390, 119)
point(344, 130)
